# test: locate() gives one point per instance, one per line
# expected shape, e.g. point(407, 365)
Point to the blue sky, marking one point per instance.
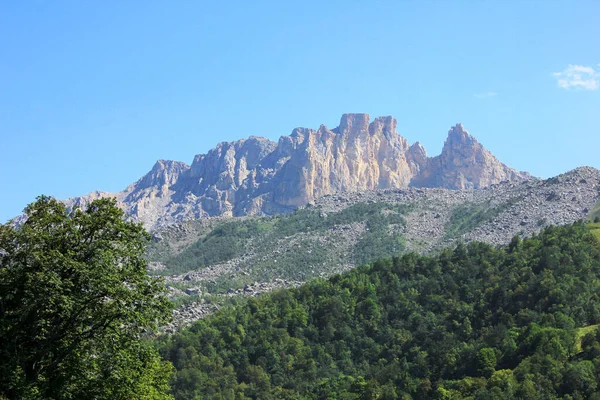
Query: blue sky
point(92, 93)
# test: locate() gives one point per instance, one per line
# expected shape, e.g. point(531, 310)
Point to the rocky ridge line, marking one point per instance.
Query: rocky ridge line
point(256, 176)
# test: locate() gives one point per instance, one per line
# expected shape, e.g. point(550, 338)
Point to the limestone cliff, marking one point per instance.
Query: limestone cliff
point(464, 164)
point(258, 176)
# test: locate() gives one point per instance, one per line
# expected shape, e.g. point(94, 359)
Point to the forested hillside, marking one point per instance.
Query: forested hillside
point(472, 322)
point(207, 262)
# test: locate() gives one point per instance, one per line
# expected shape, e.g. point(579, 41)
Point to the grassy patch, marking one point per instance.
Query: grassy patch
point(595, 212)
point(225, 242)
point(466, 217)
point(580, 333)
point(594, 227)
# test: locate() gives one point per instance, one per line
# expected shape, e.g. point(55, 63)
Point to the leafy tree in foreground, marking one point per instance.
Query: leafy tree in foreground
point(75, 303)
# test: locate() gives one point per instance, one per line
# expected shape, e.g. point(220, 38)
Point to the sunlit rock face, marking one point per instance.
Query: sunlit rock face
point(257, 176)
point(464, 163)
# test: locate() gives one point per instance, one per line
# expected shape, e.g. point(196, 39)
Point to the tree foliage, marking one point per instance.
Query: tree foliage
point(75, 302)
point(473, 322)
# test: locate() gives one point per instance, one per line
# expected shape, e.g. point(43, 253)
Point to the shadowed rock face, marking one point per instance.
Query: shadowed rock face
point(257, 176)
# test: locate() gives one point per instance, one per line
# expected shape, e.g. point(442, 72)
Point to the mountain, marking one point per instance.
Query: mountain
point(256, 176)
point(222, 259)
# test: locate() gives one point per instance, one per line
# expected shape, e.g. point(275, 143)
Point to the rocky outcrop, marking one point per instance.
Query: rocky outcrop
point(257, 176)
point(464, 164)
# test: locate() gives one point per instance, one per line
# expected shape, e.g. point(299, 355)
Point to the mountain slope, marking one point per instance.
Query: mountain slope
point(256, 176)
point(222, 258)
point(472, 322)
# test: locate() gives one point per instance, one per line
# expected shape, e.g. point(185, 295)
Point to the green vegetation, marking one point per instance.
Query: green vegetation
point(168, 242)
point(224, 242)
point(472, 322)
point(594, 227)
point(466, 217)
point(266, 235)
point(594, 216)
point(580, 333)
point(75, 304)
point(314, 220)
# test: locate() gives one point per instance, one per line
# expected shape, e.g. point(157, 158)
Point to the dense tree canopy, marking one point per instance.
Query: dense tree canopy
point(75, 302)
point(473, 322)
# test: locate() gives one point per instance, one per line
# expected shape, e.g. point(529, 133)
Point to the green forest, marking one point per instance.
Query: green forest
point(80, 317)
point(474, 321)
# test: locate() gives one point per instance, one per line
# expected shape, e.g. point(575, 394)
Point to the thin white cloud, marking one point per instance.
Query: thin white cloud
point(485, 95)
point(578, 77)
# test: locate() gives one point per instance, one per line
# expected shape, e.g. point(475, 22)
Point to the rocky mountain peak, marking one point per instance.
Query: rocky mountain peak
point(258, 176)
point(465, 164)
point(460, 145)
point(164, 172)
point(417, 155)
point(353, 124)
point(385, 126)
point(298, 132)
point(458, 135)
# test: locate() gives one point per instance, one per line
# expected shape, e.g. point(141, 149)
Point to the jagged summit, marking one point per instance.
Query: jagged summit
point(459, 133)
point(258, 176)
point(164, 172)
